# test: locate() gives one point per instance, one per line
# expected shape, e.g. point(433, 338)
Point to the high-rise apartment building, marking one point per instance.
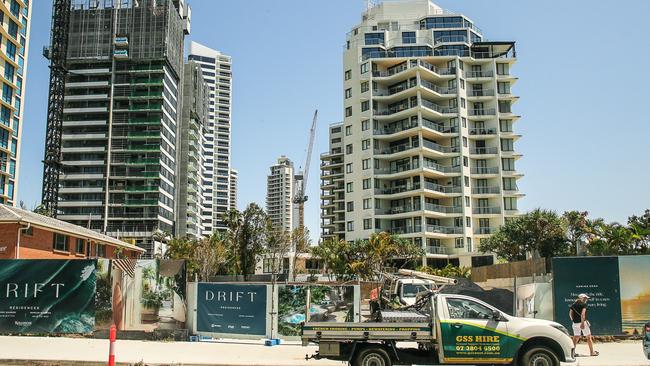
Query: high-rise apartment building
point(234, 174)
point(426, 147)
point(280, 192)
point(121, 118)
point(192, 132)
point(14, 21)
point(217, 186)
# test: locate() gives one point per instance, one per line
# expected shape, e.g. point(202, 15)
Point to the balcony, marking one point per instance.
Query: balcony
point(436, 126)
point(395, 149)
point(483, 150)
point(395, 170)
point(449, 230)
point(397, 189)
point(395, 210)
point(407, 66)
point(487, 210)
point(395, 129)
point(482, 131)
point(486, 190)
point(404, 230)
point(393, 110)
point(443, 209)
point(481, 93)
point(442, 189)
point(478, 74)
point(443, 149)
point(440, 168)
point(485, 230)
point(438, 250)
point(437, 108)
point(485, 170)
point(438, 89)
point(482, 112)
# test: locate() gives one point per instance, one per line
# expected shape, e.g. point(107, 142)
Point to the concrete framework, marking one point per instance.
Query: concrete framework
point(121, 112)
point(217, 185)
point(14, 47)
point(191, 157)
point(426, 149)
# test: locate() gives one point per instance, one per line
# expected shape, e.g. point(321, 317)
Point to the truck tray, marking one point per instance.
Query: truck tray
point(317, 331)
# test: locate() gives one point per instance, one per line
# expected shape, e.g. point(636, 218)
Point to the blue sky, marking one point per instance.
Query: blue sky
point(584, 84)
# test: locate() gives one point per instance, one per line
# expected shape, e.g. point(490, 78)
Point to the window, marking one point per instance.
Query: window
point(13, 29)
point(271, 265)
point(467, 201)
point(366, 203)
point(509, 184)
point(348, 74)
point(101, 250)
point(463, 121)
point(507, 145)
point(348, 187)
point(79, 248)
point(365, 144)
point(459, 243)
point(348, 93)
point(367, 224)
point(367, 183)
point(365, 86)
point(408, 37)
point(504, 88)
point(469, 244)
point(468, 221)
point(348, 111)
point(60, 242)
point(503, 69)
point(508, 164)
point(348, 168)
point(348, 149)
point(349, 206)
point(365, 105)
point(9, 71)
point(510, 203)
point(465, 161)
point(462, 83)
point(364, 68)
point(365, 125)
point(463, 103)
point(505, 125)
point(348, 130)
point(365, 164)
point(7, 93)
point(464, 141)
point(11, 50)
point(350, 226)
point(374, 38)
point(466, 181)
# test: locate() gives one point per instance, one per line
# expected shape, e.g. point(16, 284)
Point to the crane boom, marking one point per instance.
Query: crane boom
point(310, 148)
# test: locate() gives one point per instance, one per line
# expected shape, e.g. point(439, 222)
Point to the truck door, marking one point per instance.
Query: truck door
point(469, 332)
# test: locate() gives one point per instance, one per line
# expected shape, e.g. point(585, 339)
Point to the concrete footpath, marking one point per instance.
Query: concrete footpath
point(69, 351)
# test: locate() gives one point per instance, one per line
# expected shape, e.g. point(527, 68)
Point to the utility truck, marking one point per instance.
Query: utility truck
point(441, 329)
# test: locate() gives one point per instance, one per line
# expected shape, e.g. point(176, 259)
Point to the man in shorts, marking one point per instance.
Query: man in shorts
point(578, 315)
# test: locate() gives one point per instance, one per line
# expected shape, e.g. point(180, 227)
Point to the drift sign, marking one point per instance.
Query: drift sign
point(231, 308)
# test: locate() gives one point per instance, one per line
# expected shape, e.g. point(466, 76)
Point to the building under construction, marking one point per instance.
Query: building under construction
point(117, 168)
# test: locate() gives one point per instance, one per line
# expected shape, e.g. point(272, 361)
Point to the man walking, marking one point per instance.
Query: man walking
point(578, 315)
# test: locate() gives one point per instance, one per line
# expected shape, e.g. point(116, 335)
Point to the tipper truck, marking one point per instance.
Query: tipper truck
point(442, 329)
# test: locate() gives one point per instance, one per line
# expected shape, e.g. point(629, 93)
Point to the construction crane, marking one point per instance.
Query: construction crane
point(301, 182)
point(57, 54)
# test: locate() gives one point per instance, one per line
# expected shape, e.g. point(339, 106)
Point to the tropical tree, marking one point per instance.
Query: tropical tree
point(578, 228)
point(610, 239)
point(278, 245)
point(448, 271)
point(204, 257)
point(335, 255)
point(300, 244)
point(246, 236)
point(539, 233)
point(640, 227)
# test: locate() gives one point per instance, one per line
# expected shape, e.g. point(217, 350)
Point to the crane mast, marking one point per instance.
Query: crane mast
point(57, 54)
point(301, 196)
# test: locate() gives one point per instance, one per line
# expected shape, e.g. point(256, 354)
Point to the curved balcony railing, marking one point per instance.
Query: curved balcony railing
point(481, 93)
point(395, 149)
point(437, 147)
point(486, 190)
point(438, 126)
point(437, 108)
point(441, 168)
point(437, 229)
point(485, 230)
point(442, 209)
point(438, 89)
point(442, 189)
point(483, 131)
point(485, 170)
point(483, 150)
point(482, 112)
point(487, 210)
point(479, 74)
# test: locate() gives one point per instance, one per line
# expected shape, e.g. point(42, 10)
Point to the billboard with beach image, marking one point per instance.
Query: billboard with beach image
point(635, 292)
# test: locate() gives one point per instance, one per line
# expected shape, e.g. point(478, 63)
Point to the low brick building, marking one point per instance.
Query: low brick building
point(28, 235)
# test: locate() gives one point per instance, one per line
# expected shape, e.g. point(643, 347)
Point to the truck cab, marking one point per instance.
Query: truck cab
point(405, 290)
point(459, 330)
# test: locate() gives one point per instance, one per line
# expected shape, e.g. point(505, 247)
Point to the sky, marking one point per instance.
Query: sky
point(583, 82)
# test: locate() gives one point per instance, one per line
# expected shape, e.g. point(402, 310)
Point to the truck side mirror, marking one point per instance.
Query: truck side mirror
point(496, 315)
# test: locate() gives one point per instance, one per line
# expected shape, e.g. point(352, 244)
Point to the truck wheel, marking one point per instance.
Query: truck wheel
point(372, 356)
point(539, 356)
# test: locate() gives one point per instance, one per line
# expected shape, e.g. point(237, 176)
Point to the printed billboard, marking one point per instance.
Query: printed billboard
point(231, 308)
point(47, 296)
point(576, 275)
point(635, 292)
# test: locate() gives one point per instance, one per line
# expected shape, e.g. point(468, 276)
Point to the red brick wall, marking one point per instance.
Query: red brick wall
point(40, 245)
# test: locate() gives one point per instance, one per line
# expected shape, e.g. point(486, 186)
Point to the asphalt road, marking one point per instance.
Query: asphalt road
point(68, 351)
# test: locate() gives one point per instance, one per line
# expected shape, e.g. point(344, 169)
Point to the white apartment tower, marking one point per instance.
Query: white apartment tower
point(280, 191)
point(217, 184)
point(426, 147)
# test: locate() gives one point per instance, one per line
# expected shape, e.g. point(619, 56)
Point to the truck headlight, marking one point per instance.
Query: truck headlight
point(561, 328)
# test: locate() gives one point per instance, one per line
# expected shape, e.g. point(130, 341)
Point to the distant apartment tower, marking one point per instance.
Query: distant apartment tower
point(280, 192)
point(233, 188)
point(193, 126)
point(426, 149)
point(121, 118)
point(217, 186)
point(14, 46)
